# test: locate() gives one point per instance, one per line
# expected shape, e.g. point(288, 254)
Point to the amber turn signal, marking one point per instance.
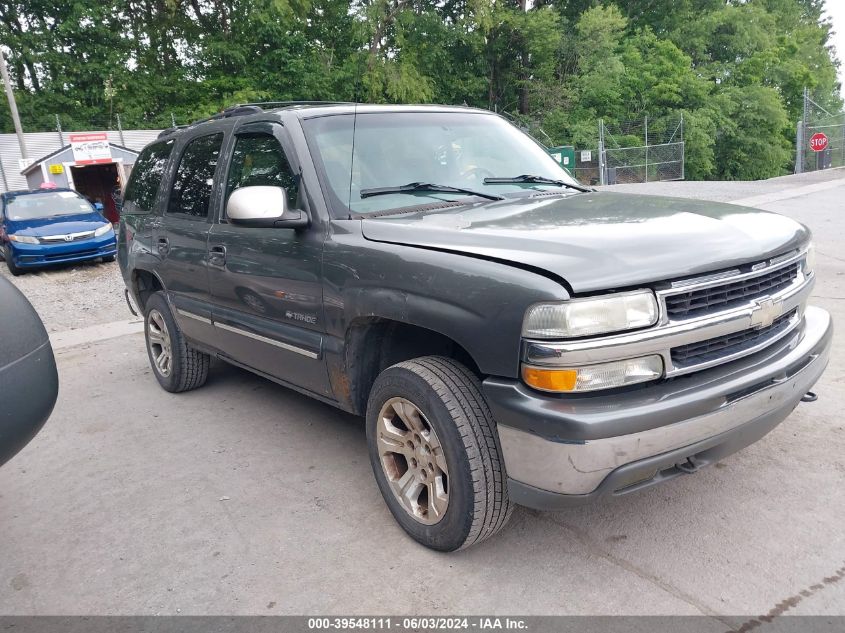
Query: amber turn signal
point(550, 379)
point(617, 373)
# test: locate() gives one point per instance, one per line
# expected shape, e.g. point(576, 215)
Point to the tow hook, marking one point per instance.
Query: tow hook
point(692, 465)
point(810, 396)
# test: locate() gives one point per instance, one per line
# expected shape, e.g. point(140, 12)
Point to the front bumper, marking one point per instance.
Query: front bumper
point(36, 255)
point(561, 451)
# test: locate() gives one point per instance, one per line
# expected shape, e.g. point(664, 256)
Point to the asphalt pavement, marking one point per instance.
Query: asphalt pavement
point(246, 498)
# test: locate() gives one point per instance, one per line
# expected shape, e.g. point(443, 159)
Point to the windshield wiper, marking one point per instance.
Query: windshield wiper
point(414, 187)
point(537, 180)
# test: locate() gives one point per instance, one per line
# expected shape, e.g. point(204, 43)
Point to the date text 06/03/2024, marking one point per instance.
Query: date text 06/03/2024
point(417, 623)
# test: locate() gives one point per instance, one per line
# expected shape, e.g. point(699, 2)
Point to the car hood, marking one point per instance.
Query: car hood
point(57, 225)
point(600, 240)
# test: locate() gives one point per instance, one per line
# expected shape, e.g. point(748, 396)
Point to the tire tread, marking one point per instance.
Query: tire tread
point(193, 365)
point(460, 391)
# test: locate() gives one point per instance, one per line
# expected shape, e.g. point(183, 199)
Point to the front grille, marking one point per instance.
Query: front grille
point(722, 346)
point(704, 300)
point(60, 239)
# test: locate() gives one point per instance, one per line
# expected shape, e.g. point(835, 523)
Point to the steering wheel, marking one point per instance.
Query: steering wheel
point(477, 173)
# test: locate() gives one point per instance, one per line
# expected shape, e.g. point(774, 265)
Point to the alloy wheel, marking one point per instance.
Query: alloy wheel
point(158, 340)
point(412, 459)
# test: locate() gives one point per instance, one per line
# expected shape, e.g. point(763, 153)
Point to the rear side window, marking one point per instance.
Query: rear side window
point(191, 192)
point(258, 159)
point(146, 177)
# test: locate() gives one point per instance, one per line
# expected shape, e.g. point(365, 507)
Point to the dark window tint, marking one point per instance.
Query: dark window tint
point(191, 192)
point(146, 176)
point(258, 159)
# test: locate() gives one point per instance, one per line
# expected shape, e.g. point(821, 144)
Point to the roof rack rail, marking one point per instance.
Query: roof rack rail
point(236, 110)
point(244, 109)
point(171, 130)
point(282, 104)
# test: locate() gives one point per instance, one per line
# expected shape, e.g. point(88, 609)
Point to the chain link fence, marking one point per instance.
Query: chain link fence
point(820, 138)
point(642, 151)
point(116, 121)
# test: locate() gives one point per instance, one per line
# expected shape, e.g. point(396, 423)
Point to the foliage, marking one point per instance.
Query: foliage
point(735, 69)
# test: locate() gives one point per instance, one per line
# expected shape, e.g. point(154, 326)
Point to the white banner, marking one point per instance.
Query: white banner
point(90, 148)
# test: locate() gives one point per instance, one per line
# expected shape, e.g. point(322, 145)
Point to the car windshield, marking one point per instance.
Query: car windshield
point(450, 149)
point(35, 206)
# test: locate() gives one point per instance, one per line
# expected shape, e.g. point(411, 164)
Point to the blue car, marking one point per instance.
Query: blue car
point(52, 226)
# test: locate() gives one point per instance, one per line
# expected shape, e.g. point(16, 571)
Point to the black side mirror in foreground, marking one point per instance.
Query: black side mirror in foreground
point(29, 382)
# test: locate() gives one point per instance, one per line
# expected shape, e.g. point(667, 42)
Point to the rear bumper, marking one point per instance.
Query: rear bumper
point(37, 255)
point(562, 451)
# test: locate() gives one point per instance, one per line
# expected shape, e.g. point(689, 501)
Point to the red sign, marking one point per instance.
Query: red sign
point(818, 142)
point(90, 148)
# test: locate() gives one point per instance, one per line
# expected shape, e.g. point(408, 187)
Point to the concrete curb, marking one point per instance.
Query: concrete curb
point(95, 333)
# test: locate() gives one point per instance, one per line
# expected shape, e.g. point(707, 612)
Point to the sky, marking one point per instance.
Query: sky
point(835, 10)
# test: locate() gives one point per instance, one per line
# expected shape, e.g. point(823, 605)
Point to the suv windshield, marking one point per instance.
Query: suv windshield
point(451, 149)
point(35, 206)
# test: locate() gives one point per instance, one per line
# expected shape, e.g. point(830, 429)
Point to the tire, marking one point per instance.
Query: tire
point(10, 262)
point(461, 435)
point(108, 259)
point(177, 366)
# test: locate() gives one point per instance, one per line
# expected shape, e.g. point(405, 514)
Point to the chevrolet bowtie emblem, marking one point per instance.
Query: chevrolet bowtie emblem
point(765, 312)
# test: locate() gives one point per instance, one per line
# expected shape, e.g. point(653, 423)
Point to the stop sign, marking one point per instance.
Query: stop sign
point(818, 142)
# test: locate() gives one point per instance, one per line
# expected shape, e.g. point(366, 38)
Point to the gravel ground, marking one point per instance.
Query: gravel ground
point(76, 296)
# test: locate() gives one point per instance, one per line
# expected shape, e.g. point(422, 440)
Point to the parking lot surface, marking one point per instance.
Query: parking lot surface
point(247, 498)
point(74, 296)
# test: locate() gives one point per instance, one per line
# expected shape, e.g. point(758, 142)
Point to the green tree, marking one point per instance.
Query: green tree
point(736, 69)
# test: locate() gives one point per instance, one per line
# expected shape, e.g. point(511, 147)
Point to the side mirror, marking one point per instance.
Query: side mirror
point(265, 207)
point(28, 379)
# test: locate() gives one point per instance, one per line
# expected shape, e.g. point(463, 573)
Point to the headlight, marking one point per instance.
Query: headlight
point(592, 377)
point(23, 239)
point(810, 259)
point(590, 316)
point(106, 228)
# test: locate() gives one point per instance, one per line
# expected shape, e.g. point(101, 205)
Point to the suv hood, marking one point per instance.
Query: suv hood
point(600, 240)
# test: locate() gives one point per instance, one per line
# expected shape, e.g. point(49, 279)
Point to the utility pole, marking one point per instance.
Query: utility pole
point(16, 119)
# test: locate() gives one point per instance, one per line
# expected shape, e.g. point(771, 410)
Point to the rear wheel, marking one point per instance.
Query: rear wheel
point(435, 453)
point(176, 365)
point(10, 261)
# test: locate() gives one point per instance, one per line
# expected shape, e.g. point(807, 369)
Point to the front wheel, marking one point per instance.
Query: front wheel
point(435, 453)
point(10, 261)
point(176, 365)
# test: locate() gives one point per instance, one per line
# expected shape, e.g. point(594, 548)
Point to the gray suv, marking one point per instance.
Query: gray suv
point(511, 336)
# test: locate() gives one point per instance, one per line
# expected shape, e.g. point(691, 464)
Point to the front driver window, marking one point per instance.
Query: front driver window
point(258, 159)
